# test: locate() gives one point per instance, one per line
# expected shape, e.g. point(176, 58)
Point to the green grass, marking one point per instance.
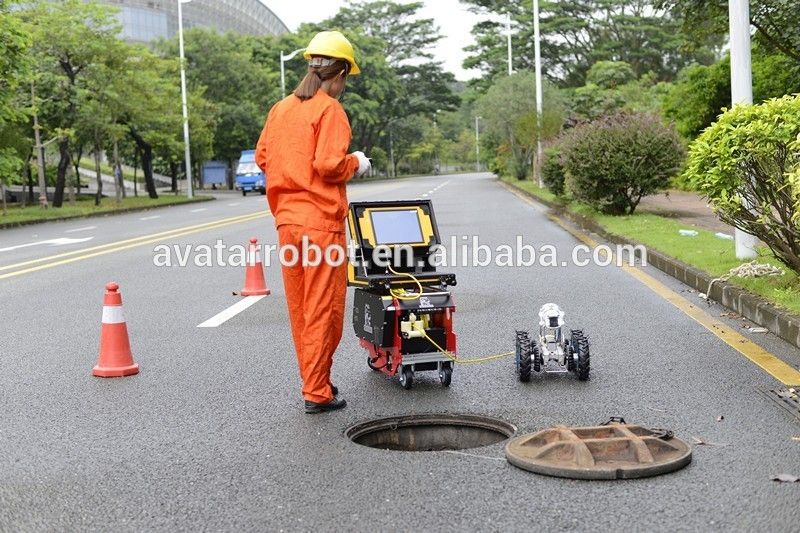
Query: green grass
point(532, 188)
point(706, 251)
point(85, 207)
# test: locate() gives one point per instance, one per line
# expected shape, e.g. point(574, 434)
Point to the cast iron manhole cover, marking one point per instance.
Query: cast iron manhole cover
point(788, 399)
point(429, 433)
point(615, 451)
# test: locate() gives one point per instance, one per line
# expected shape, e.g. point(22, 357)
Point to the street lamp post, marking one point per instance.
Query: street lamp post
point(477, 145)
point(741, 91)
point(284, 59)
point(508, 37)
point(187, 150)
point(537, 53)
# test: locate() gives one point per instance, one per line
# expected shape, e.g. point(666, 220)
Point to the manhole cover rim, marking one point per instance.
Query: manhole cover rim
point(485, 422)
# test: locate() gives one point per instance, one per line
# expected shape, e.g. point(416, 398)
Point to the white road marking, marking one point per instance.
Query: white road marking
point(234, 204)
point(52, 242)
point(232, 311)
point(425, 195)
point(152, 217)
point(198, 210)
point(76, 230)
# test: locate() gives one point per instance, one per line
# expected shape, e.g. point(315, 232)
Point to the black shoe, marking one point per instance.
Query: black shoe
point(333, 405)
point(335, 390)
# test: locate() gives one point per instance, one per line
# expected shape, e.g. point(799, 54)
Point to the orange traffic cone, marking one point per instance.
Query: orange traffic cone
point(254, 283)
point(116, 359)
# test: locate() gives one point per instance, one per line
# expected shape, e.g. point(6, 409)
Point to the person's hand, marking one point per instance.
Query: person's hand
point(363, 164)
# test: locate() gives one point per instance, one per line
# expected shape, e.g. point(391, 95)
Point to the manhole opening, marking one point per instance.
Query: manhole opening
point(430, 433)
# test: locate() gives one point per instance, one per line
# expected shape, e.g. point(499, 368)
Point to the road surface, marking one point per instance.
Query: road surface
point(211, 434)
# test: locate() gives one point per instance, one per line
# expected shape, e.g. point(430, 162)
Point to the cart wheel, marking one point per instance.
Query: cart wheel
point(372, 365)
point(523, 353)
point(446, 374)
point(580, 347)
point(536, 355)
point(406, 377)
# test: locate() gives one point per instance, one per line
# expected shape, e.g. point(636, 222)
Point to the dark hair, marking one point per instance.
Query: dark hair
point(316, 75)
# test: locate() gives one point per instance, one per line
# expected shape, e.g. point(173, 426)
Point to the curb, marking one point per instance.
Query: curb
point(752, 307)
point(8, 225)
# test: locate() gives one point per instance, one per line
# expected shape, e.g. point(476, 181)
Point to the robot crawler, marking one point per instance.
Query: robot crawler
point(552, 350)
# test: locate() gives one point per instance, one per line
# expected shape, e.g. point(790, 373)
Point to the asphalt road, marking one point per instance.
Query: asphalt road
point(211, 434)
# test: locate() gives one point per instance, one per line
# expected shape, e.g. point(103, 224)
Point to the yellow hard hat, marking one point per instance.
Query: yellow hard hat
point(332, 44)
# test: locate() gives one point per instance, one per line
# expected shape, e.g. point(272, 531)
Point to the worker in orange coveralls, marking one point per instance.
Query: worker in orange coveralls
point(303, 152)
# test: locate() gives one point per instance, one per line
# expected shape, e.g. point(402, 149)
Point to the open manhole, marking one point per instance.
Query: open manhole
point(614, 451)
point(430, 433)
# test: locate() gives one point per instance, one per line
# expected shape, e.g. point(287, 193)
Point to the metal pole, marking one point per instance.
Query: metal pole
point(187, 151)
point(741, 91)
point(39, 159)
point(283, 77)
point(508, 33)
point(477, 146)
point(391, 152)
point(537, 52)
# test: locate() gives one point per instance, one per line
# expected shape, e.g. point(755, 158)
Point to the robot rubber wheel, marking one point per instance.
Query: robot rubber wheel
point(406, 376)
point(580, 347)
point(536, 355)
point(446, 374)
point(523, 356)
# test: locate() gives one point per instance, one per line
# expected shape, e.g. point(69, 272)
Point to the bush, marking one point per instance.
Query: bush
point(752, 154)
point(553, 171)
point(615, 161)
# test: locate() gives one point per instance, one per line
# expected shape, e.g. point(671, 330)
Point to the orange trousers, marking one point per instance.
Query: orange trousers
point(315, 296)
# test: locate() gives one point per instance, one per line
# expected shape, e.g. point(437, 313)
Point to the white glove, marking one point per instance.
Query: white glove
point(363, 164)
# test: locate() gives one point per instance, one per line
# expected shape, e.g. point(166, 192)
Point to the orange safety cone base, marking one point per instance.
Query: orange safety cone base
point(116, 371)
point(257, 292)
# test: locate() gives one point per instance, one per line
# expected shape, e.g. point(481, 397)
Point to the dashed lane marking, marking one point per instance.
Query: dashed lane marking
point(85, 228)
point(232, 311)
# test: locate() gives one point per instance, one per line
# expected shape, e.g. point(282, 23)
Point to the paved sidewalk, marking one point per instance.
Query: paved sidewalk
point(687, 207)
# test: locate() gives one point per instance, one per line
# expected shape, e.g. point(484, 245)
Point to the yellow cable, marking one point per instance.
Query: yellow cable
point(400, 295)
point(460, 361)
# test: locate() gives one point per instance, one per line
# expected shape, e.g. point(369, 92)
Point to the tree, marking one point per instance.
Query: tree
point(401, 79)
point(68, 36)
point(152, 110)
point(777, 22)
point(509, 116)
point(579, 33)
point(233, 75)
point(611, 87)
point(703, 92)
point(14, 66)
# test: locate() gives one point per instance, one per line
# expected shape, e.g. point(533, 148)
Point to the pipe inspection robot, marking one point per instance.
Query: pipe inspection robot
point(555, 349)
point(402, 308)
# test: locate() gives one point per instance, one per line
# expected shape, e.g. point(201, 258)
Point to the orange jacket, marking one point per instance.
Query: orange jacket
point(303, 153)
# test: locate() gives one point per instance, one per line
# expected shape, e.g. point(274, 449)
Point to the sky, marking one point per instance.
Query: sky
point(453, 19)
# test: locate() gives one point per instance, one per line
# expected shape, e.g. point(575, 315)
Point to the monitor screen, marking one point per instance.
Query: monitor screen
point(396, 226)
